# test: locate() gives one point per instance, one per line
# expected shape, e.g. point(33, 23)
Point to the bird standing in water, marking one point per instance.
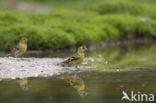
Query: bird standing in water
point(19, 49)
point(76, 59)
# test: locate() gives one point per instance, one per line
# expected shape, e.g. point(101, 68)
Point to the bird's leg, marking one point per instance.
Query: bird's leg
point(22, 58)
point(18, 59)
point(78, 69)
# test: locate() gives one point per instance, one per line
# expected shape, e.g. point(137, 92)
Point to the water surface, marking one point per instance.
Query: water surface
point(83, 87)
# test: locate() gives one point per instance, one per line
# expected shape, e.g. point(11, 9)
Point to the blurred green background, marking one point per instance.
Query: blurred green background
point(124, 29)
point(61, 24)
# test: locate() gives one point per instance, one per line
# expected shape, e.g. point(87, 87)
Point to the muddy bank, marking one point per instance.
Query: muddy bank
point(32, 67)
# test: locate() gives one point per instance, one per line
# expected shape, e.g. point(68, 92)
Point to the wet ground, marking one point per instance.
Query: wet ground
point(83, 87)
point(33, 67)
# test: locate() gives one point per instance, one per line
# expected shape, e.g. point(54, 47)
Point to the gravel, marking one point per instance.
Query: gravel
point(31, 67)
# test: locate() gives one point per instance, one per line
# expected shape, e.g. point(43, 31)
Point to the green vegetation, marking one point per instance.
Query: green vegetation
point(94, 22)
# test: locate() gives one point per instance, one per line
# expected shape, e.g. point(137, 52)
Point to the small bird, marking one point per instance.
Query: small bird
point(76, 59)
point(19, 49)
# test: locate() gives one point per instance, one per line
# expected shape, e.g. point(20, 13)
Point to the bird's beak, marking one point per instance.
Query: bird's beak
point(26, 40)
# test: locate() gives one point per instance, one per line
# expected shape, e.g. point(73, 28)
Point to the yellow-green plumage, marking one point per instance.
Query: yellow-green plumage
point(76, 59)
point(19, 49)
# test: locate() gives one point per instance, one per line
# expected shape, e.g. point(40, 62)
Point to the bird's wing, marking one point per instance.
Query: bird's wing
point(73, 58)
point(70, 60)
point(74, 82)
point(15, 49)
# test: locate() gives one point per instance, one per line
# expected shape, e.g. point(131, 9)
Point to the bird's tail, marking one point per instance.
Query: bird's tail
point(61, 64)
point(64, 64)
point(8, 55)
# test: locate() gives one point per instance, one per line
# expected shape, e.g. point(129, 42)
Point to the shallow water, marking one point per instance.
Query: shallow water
point(83, 87)
point(115, 73)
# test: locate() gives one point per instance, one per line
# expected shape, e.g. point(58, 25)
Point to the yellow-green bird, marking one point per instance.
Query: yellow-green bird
point(19, 49)
point(76, 59)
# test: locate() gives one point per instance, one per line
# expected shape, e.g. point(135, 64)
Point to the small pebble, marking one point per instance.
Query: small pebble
point(13, 69)
point(13, 77)
point(36, 75)
point(9, 62)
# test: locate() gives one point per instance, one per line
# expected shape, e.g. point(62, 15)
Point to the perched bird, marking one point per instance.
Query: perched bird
point(76, 59)
point(19, 49)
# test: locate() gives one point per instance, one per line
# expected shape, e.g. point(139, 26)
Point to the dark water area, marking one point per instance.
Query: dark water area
point(83, 87)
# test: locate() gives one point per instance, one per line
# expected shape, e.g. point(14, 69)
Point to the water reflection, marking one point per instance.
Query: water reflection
point(76, 82)
point(23, 83)
point(102, 87)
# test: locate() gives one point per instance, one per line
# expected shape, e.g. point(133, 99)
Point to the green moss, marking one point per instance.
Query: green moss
point(103, 21)
point(117, 6)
